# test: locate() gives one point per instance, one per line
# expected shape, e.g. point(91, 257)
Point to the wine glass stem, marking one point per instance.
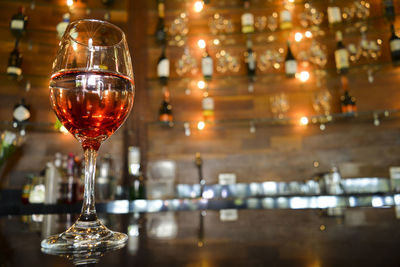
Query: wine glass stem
point(88, 212)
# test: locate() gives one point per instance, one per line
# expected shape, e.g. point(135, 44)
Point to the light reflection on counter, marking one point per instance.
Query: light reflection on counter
point(281, 202)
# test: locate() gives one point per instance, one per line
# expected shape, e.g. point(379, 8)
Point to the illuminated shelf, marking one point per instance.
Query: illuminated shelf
point(374, 117)
point(376, 25)
point(223, 82)
point(176, 6)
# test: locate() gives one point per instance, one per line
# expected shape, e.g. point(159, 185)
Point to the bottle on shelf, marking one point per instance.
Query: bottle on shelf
point(51, 183)
point(14, 70)
point(62, 26)
point(165, 112)
point(59, 174)
point(161, 34)
point(26, 189)
point(247, 18)
point(163, 67)
point(388, 10)
point(290, 63)
point(199, 164)
point(341, 55)
point(207, 66)
point(250, 59)
point(347, 101)
point(68, 184)
point(394, 42)
point(208, 107)
point(285, 20)
point(334, 15)
point(21, 115)
point(37, 192)
point(18, 23)
point(137, 189)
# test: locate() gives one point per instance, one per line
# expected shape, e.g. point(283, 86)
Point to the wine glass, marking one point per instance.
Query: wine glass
point(91, 92)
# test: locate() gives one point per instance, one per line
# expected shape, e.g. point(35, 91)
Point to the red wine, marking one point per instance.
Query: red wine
point(92, 105)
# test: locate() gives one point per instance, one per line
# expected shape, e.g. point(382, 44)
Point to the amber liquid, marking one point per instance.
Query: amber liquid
point(91, 105)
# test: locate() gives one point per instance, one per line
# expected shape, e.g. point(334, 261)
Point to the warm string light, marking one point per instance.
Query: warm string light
point(198, 6)
point(201, 125)
point(70, 3)
point(201, 84)
point(304, 76)
point(298, 36)
point(304, 121)
point(308, 34)
point(201, 44)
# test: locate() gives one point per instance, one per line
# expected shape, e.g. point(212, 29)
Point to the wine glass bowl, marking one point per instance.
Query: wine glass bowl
point(91, 92)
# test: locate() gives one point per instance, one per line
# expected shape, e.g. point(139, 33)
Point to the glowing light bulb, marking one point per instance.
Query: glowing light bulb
point(201, 43)
point(298, 36)
point(70, 2)
point(201, 84)
point(304, 76)
point(201, 125)
point(303, 120)
point(198, 6)
point(291, 1)
point(308, 34)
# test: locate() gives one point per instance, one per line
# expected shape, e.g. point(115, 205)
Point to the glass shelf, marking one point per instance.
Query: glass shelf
point(223, 82)
point(374, 116)
point(176, 6)
point(375, 25)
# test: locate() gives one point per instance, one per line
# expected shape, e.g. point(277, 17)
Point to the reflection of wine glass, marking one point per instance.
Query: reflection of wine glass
point(91, 92)
point(87, 257)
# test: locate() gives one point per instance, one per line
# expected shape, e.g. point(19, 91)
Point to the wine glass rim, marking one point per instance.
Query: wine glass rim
point(76, 22)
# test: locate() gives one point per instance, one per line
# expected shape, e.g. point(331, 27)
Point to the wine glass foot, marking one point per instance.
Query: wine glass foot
point(85, 235)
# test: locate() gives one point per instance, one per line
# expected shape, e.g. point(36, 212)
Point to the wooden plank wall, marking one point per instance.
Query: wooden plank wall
point(273, 152)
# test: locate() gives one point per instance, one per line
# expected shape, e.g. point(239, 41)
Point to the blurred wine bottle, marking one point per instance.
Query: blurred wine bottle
point(14, 70)
point(18, 23)
point(161, 34)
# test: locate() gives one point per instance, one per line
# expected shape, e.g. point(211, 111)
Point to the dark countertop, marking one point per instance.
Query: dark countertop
point(362, 237)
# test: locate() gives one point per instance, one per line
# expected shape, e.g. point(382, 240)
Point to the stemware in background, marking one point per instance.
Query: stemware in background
point(91, 92)
point(279, 105)
point(322, 102)
point(179, 30)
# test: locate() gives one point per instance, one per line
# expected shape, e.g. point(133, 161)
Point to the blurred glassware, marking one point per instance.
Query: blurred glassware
point(322, 102)
point(260, 23)
point(279, 105)
point(271, 58)
point(318, 54)
point(186, 64)
point(272, 22)
point(225, 61)
point(178, 30)
point(310, 16)
point(220, 25)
